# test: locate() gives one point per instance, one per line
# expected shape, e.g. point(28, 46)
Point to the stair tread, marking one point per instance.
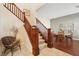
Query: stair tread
point(40, 37)
point(41, 40)
point(42, 44)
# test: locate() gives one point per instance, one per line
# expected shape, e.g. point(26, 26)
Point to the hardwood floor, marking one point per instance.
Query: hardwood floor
point(71, 47)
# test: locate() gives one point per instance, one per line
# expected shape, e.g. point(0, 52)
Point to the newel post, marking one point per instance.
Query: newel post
point(35, 41)
point(49, 39)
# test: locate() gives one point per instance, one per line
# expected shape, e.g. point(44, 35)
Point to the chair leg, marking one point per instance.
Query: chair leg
point(11, 51)
point(56, 39)
point(71, 39)
point(20, 46)
point(4, 51)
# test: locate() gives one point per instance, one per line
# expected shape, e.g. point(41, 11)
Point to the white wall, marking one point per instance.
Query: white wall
point(45, 22)
point(67, 21)
point(7, 17)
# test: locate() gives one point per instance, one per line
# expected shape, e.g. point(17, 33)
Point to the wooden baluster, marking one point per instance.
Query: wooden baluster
point(18, 13)
point(12, 7)
point(14, 10)
point(23, 17)
point(9, 6)
point(35, 41)
point(5, 4)
point(50, 39)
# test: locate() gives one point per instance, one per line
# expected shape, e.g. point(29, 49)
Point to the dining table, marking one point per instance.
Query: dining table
point(67, 36)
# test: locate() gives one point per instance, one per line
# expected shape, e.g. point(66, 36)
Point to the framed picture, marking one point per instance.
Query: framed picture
point(27, 12)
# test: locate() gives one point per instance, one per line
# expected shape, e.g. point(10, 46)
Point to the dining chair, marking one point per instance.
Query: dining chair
point(11, 43)
point(60, 36)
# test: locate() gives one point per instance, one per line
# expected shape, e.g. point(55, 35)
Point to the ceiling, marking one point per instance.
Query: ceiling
point(36, 6)
point(31, 6)
point(55, 10)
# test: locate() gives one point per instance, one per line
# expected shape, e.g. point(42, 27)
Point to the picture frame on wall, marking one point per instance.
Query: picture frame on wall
point(27, 12)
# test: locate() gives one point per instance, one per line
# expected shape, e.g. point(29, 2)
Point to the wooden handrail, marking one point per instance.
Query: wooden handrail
point(32, 31)
point(42, 29)
point(15, 10)
point(41, 23)
point(46, 33)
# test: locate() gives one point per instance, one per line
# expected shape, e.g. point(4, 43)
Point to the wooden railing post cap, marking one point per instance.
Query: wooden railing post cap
point(33, 26)
point(23, 12)
point(49, 28)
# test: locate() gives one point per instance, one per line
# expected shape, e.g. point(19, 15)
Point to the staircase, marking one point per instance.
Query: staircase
point(39, 39)
point(45, 33)
point(42, 44)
